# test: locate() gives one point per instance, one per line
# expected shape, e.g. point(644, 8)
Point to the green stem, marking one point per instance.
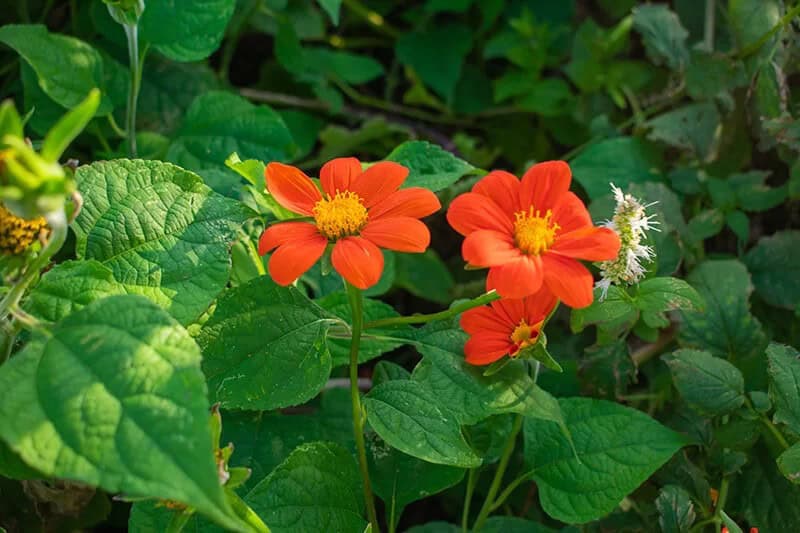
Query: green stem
point(57, 221)
point(132, 34)
point(441, 315)
point(510, 489)
point(708, 32)
point(486, 509)
point(244, 512)
point(773, 429)
point(357, 308)
point(472, 479)
point(756, 46)
point(179, 521)
point(372, 17)
point(723, 497)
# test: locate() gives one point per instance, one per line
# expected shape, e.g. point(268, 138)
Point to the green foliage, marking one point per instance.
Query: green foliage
point(774, 270)
point(784, 371)
point(623, 161)
point(709, 384)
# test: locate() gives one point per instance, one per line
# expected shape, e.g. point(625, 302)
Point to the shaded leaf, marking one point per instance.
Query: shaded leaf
point(709, 384)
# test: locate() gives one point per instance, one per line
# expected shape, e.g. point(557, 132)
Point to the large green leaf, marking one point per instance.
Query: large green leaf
point(317, 488)
point(161, 232)
point(726, 328)
point(623, 160)
point(66, 68)
point(219, 123)
point(264, 347)
point(188, 30)
point(789, 463)
point(425, 276)
point(784, 388)
point(694, 127)
point(113, 396)
point(615, 450)
point(70, 286)
point(429, 165)
point(752, 19)
point(709, 384)
point(405, 414)
point(400, 479)
point(463, 389)
point(775, 269)
point(656, 296)
point(675, 510)
point(663, 35)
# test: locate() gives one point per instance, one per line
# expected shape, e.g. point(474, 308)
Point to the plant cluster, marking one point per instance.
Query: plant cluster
point(261, 268)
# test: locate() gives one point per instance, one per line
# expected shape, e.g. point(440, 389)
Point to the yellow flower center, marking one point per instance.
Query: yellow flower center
point(16, 234)
point(525, 335)
point(340, 216)
point(533, 232)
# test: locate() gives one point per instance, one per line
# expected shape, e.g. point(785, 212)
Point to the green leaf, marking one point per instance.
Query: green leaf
point(753, 194)
point(436, 527)
point(437, 56)
point(264, 347)
point(789, 463)
point(332, 8)
point(616, 449)
point(69, 127)
point(429, 166)
point(67, 68)
point(784, 388)
point(317, 488)
point(709, 75)
point(623, 160)
point(370, 347)
point(739, 224)
point(218, 123)
point(750, 20)
point(775, 269)
point(69, 287)
point(114, 397)
point(465, 390)
point(513, 524)
point(405, 414)
point(161, 108)
point(400, 479)
point(387, 371)
point(655, 296)
point(338, 64)
point(189, 30)
point(764, 497)
point(663, 35)
point(726, 328)
point(710, 385)
point(613, 314)
point(693, 127)
point(175, 249)
point(705, 225)
point(675, 510)
point(424, 275)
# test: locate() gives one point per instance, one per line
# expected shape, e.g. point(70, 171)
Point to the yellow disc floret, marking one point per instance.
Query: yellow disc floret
point(534, 233)
point(525, 335)
point(341, 215)
point(16, 234)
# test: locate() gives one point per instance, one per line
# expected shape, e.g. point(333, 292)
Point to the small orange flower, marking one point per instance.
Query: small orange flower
point(505, 327)
point(359, 212)
point(531, 233)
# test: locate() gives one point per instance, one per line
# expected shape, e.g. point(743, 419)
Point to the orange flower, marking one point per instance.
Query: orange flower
point(359, 212)
point(504, 327)
point(531, 233)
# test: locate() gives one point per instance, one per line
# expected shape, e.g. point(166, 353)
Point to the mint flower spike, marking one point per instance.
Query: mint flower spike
point(630, 222)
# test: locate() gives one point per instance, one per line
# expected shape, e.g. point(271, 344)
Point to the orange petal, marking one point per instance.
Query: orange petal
point(486, 347)
point(487, 248)
point(502, 187)
point(337, 174)
point(569, 280)
point(539, 305)
point(402, 234)
point(284, 232)
point(590, 244)
point(516, 279)
point(511, 309)
point(570, 214)
point(471, 211)
point(379, 181)
point(291, 260)
point(358, 261)
point(543, 185)
point(292, 188)
point(413, 202)
point(485, 319)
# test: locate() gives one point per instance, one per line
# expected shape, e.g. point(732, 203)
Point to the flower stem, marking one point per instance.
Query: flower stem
point(244, 512)
point(441, 315)
point(754, 47)
point(357, 308)
point(132, 34)
point(488, 503)
point(472, 479)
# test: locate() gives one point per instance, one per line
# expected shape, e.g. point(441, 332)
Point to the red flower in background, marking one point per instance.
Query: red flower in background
point(531, 232)
point(505, 327)
point(359, 213)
